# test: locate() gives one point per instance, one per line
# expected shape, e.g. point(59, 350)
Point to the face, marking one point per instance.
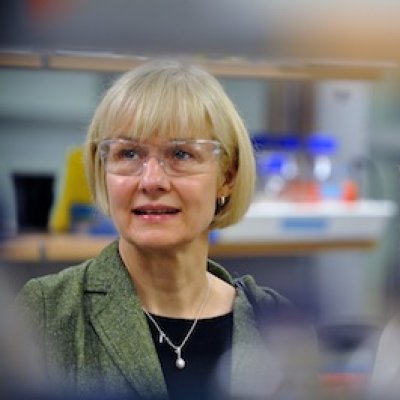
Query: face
point(157, 210)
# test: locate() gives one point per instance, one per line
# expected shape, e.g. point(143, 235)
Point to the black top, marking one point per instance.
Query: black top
point(209, 342)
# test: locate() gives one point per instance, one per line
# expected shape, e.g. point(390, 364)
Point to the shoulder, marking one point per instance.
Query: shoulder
point(267, 304)
point(57, 291)
point(260, 294)
point(62, 294)
point(54, 284)
point(257, 295)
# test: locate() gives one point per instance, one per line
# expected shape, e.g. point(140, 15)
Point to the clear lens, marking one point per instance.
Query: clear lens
point(180, 157)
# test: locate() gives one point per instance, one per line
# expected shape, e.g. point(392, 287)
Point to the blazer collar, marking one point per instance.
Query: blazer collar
point(117, 316)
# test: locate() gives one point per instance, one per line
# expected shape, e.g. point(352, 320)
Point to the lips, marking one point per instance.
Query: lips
point(155, 210)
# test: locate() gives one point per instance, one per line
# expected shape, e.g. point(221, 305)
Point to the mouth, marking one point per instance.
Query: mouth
point(151, 210)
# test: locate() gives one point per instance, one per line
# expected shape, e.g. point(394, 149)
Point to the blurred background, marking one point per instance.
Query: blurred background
point(318, 86)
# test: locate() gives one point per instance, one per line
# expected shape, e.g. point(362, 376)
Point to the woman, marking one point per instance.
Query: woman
point(169, 159)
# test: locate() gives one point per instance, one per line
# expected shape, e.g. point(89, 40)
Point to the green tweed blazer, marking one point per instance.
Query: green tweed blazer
point(96, 337)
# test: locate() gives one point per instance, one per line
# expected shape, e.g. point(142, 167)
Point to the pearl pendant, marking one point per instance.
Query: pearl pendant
point(180, 363)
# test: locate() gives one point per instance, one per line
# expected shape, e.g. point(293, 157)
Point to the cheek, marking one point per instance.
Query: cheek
point(204, 195)
point(118, 190)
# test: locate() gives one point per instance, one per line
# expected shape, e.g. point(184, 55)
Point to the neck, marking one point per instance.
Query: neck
point(168, 283)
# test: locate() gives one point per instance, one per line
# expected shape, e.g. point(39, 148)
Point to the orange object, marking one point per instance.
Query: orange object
point(350, 191)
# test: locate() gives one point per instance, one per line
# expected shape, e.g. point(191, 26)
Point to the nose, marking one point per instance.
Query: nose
point(153, 178)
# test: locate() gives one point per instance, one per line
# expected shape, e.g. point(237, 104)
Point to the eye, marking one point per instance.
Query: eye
point(127, 152)
point(181, 154)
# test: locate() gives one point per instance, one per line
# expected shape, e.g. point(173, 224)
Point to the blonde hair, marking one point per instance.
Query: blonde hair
point(174, 99)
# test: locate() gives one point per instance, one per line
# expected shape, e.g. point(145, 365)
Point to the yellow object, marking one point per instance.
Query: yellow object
point(73, 190)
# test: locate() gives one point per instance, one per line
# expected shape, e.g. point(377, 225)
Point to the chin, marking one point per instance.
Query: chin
point(156, 242)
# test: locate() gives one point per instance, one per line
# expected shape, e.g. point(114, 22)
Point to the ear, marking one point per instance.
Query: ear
point(228, 182)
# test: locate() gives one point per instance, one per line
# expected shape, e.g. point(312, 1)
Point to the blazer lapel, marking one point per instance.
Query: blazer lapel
point(116, 315)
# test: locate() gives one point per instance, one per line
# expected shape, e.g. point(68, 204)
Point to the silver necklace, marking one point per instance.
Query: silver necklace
point(180, 363)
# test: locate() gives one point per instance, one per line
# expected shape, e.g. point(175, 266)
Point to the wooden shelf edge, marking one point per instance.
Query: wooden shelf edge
point(20, 60)
point(92, 63)
point(287, 248)
point(236, 68)
point(57, 248)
